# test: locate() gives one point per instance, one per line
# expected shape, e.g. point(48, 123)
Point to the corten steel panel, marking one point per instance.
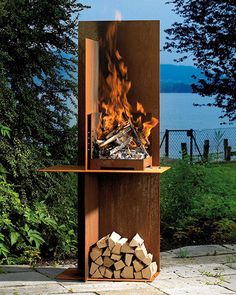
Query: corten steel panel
point(92, 216)
point(91, 86)
point(130, 204)
point(138, 44)
point(87, 30)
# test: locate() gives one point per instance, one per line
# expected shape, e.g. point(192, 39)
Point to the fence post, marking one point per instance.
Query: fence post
point(190, 133)
point(167, 144)
point(228, 153)
point(206, 150)
point(184, 150)
point(225, 148)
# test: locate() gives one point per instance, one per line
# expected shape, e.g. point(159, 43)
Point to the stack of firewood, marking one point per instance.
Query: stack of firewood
point(116, 257)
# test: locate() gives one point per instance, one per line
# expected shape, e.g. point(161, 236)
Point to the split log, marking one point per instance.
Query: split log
point(95, 253)
point(138, 275)
point(102, 270)
point(116, 257)
point(127, 272)
point(108, 262)
point(119, 265)
point(113, 239)
point(108, 273)
point(102, 243)
point(148, 259)
point(149, 271)
point(126, 249)
point(97, 275)
point(121, 146)
point(136, 241)
point(137, 265)
point(128, 259)
point(93, 268)
point(99, 261)
point(116, 249)
point(141, 252)
point(138, 140)
point(107, 252)
point(121, 133)
point(117, 274)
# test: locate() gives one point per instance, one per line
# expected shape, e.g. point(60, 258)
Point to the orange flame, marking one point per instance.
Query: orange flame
point(147, 127)
point(114, 87)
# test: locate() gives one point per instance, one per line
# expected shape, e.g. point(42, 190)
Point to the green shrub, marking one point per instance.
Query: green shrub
point(198, 203)
point(29, 232)
point(19, 225)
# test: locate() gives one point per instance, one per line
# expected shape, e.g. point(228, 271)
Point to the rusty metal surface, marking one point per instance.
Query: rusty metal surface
point(130, 204)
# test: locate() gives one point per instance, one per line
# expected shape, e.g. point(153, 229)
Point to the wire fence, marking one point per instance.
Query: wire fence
point(215, 144)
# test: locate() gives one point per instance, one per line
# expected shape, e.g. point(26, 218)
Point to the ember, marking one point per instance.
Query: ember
point(121, 132)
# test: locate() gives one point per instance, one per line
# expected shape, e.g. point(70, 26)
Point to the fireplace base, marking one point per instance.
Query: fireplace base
point(106, 164)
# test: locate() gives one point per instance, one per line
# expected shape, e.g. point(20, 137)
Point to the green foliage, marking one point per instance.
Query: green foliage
point(38, 87)
point(25, 230)
point(205, 34)
point(5, 131)
point(198, 203)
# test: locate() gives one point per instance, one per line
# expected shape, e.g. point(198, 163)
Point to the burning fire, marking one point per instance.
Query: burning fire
point(115, 110)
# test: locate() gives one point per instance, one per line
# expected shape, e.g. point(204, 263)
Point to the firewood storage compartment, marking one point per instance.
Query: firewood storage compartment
point(118, 128)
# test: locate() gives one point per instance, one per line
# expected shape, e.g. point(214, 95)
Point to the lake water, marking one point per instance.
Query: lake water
point(178, 112)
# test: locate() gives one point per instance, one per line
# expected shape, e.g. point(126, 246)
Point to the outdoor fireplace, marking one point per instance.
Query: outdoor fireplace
point(118, 148)
point(119, 135)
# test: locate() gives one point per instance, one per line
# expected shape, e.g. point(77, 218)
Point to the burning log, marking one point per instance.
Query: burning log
point(123, 142)
point(118, 135)
point(118, 258)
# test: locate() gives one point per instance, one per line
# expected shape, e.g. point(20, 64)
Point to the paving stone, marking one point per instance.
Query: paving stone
point(23, 279)
point(173, 261)
point(230, 246)
point(205, 290)
point(15, 268)
point(195, 270)
point(103, 286)
point(216, 269)
point(201, 250)
point(50, 272)
point(231, 265)
point(230, 282)
point(212, 259)
point(146, 291)
point(190, 271)
point(166, 273)
point(80, 293)
point(198, 285)
point(42, 289)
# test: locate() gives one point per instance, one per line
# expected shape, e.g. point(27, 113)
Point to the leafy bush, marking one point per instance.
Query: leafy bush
point(198, 203)
point(19, 224)
point(26, 231)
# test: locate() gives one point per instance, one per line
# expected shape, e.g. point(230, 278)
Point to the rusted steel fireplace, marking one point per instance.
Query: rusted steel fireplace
point(118, 126)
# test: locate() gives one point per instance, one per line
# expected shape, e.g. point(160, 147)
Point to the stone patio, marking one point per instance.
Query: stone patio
point(196, 270)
